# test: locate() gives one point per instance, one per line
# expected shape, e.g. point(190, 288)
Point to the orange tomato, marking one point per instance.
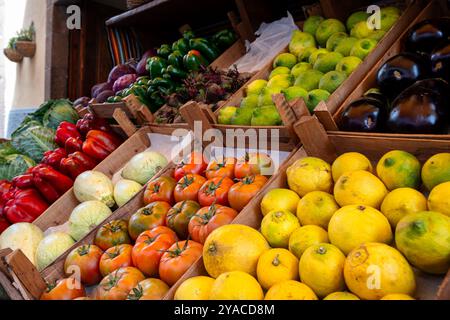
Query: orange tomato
point(242, 192)
point(115, 258)
point(147, 218)
point(252, 164)
point(160, 189)
point(221, 168)
point(65, 289)
point(188, 186)
point(215, 191)
point(117, 285)
point(86, 258)
point(149, 289)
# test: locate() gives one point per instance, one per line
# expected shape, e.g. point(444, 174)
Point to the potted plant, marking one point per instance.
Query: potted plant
point(11, 53)
point(25, 41)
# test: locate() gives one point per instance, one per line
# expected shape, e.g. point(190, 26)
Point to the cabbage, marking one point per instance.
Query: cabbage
point(14, 165)
point(86, 217)
point(51, 247)
point(94, 185)
point(23, 236)
point(124, 190)
point(143, 166)
point(60, 111)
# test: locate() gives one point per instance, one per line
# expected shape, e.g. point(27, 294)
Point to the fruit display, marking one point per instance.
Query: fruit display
point(346, 231)
point(412, 90)
point(319, 59)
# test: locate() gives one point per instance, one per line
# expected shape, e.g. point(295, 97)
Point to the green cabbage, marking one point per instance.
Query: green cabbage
point(14, 165)
point(60, 111)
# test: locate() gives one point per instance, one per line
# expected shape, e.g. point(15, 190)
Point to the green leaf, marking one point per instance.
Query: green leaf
point(34, 140)
point(14, 165)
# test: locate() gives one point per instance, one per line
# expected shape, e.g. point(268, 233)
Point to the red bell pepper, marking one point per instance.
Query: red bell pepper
point(4, 224)
point(53, 158)
point(24, 181)
point(77, 163)
point(73, 145)
point(99, 144)
point(92, 122)
point(50, 183)
point(25, 206)
point(5, 194)
point(65, 131)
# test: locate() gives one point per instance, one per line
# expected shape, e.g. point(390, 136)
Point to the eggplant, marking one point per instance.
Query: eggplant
point(376, 94)
point(400, 72)
point(425, 35)
point(365, 114)
point(440, 61)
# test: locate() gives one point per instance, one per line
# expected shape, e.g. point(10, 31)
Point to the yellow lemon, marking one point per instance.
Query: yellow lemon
point(374, 270)
point(304, 237)
point(196, 288)
point(316, 208)
point(279, 199)
point(400, 202)
point(236, 285)
point(439, 199)
point(436, 170)
point(399, 169)
point(348, 162)
point(359, 187)
point(275, 266)
point(343, 295)
point(290, 290)
point(277, 227)
point(353, 225)
point(424, 239)
point(397, 296)
point(322, 269)
point(309, 174)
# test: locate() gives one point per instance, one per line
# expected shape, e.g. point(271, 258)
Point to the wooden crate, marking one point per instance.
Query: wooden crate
point(329, 118)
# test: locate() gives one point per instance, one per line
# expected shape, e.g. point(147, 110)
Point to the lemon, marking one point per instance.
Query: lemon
point(400, 202)
point(354, 225)
point(276, 265)
point(348, 162)
point(397, 296)
point(290, 290)
point(439, 199)
point(374, 270)
point(285, 60)
point(309, 174)
point(399, 169)
point(304, 237)
point(316, 208)
point(256, 87)
point(236, 285)
point(361, 188)
point(322, 269)
point(279, 199)
point(277, 226)
point(341, 296)
point(436, 170)
point(196, 288)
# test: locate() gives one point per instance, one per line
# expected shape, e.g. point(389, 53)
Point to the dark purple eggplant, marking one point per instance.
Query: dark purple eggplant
point(102, 97)
point(400, 72)
point(440, 61)
point(141, 67)
point(425, 35)
point(99, 88)
point(376, 94)
point(365, 114)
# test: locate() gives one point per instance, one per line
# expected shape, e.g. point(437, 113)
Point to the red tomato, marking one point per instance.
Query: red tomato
point(65, 289)
point(115, 258)
point(188, 186)
point(178, 259)
point(147, 218)
point(160, 189)
point(195, 164)
point(215, 191)
point(208, 219)
point(149, 289)
point(86, 260)
point(179, 216)
point(149, 248)
point(252, 164)
point(117, 285)
point(112, 234)
point(221, 168)
point(242, 192)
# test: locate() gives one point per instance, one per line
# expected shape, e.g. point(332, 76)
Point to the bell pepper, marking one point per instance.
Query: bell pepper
point(155, 65)
point(164, 51)
point(5, 195)
point(193, 61)
point(176, 59)
point(141, 93)
point(188, 34)
point(25, 206)
point(224, 39)
point(24, 181)
point(162, 83)
point(206, 49)
point(65, 131)
point(99, 144)
point(77, 163)
point(176, 72)
point(181, 45)
point(53, 158)
point(4, 224)
point(92, 122)
point(73, 145)
point(51, 183)
point(157, 101)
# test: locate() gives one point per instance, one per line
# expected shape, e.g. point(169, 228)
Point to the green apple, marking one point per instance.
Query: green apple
point(305, 53)
point(285, 60)
point(250, 101)
point(299, 41)
point(226, 114)
point(345, 46)
point(256, 87)
point(361, 30)
point(315, 97)
point(326, 29)
point(300, 68)
point(328, 62)
point(312, 23)
point(388, 19)
point(332, 80)
point(363, 47)
point(376, 35)
point(266, 116)
point(279, 70)
point(242, 117)
point(309, 80)
point(391, 11)
point(335, 39)
point(356, 17)
point(313, 57)
point(265, 96)
point(295, 92)
point(348, 64)
point(281, 81)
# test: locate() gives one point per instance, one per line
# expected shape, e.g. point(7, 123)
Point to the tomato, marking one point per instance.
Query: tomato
point(178, 259)
point(208, 219)
point(179, 216)
point(115, 258)
point(215, 191)
point(86, 260)
point(195, 164)
point(112, 234)
point(221, 168)
point(161, 189)
point(252, 164)
point(149, 248)
point(188, 186)
point(118, 284)
point(65, 289)
point(147, 218)
point(242, 192)
point(149, 289)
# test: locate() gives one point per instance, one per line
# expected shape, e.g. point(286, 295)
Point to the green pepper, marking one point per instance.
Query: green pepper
point(224, 39)
point(164, 51)
point(163, 83)
point(181, 45)
point(125, 93)
point(176, 59)
point(142, 80)
point(176, 73)
point(155, 65)
point(156, 101)
point(188, 35)
point(194, 60)
point(205, 48)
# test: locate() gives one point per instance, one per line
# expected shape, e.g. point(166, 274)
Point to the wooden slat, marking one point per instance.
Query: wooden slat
point(125, 123)
point(106, 110)
point(444, 289)
point(299, 107)
point(325, 117)
point(12, 292)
